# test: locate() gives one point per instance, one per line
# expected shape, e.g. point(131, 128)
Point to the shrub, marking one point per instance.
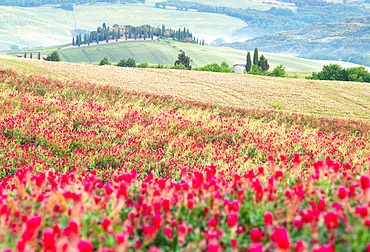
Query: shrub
point(256, 70)
point(53, 57)
point(179, 67)
point(143, 65)
point(130, 62)
point(279, 71)
point(104, 61)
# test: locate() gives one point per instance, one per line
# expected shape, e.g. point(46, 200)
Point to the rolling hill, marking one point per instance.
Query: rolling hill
point(165, 52)
point(334, 41)
point(323, 98)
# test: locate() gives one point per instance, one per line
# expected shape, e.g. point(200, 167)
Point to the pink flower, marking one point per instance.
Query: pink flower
point(166, 205)
point(234, 243)
point(300, 246)
point(106, 223)
point(168, 232)
point(256, 235)
point(85, 246)
point(331, 220)
point(365, 182)
point(255, 248)
point(232, 220)
point(342, 194)
point(268, 219)
point(49, 240)
point(281, 238)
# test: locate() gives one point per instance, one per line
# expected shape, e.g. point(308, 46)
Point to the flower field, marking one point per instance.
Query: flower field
point(86, 167)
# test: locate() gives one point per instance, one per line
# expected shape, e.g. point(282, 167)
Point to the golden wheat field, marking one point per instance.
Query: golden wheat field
point(323, 98)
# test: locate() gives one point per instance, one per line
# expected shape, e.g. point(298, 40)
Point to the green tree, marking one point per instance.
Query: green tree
point(53, 57)
point(39, 56)
point(279, 71)
point(79, 40)
point(126, 35)
point(263, 63)
point(135, 35)
point(358, 74)
point(88, 39)
point(255, 57)
point(130, 62)
point(332, 72)
point(25, 55)
point(143, 65)
point(106, 37)
point(183, 59)
point(249, 62)
point(104, 61)
point(85, 39)
point(256, 70)
point(31, 55)
point(122, 63)
point(203, 42)
point(73, 41)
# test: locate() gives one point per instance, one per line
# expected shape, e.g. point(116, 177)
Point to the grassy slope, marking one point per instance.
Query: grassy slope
point(166, 53)
point(45, 26)
point(324, 98)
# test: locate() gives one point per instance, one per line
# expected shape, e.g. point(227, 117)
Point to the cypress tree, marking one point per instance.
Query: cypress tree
point(135, 35)
point(88, 39)
point(73, 41)
point(255, 57)
point(76, 39)
point(264, 63)
point(31, 55)
point(126, 35)
point(249, 62)
point(117, 35)
point(39, 56)
point(151, 34)
point(203, 42)
point(25, 55)
point(79, 39)
point(106, 37)
point(144, 34)
point(85, 39)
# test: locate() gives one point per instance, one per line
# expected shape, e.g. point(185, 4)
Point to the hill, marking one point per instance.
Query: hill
point(165, 52)
point(339, 40)
point(323, 98)
point(46, 26)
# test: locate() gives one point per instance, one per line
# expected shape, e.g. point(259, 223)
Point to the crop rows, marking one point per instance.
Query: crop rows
point(86, 167)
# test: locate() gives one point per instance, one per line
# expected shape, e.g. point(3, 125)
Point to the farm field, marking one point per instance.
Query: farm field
point(96, 167)
point(166, 52)
point(322, 98)
point(46, 26)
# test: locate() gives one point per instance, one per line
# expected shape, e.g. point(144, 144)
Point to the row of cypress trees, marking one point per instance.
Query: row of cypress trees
point(38, 56)
point(261, 62)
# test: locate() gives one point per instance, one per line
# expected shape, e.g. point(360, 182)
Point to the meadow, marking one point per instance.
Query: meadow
point(322, 98)
point(166, 52)
point(94, 167)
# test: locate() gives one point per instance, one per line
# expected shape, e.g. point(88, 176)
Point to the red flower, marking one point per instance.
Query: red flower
point(300, 246)
point(49, 240)
point(365, 182)
point(232, 220)
point(255, 248)
point(156, 221)
point(331, 220)
point(168, 232)
point(281, 238)
point(106, 223)
point(233, 243)
point(268, 219)
point(256, 235)
point(166, 205)
point(85, 246)
point(342, 194)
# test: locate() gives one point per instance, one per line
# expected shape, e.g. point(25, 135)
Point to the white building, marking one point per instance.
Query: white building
point(239, 68)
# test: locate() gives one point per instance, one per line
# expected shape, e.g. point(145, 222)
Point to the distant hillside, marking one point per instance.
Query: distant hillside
point(347, 40)
point(166, 52)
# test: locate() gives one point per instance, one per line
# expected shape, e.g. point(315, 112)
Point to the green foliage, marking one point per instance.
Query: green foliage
point(143, 65)
point(214, 67)
point(66, 6)
point(53, 57)
point(104, 61)
point(130, 62)
point(183, 59)
point(121, 63)
point(180, 66)
point(338, 73)
point(279, 71)
point(256, 70)
point(255, 57)
point(248, 62)
point(263, 63)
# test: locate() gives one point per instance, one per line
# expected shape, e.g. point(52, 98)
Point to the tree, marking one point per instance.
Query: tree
point(249, 62)
point(104, 61)
point(122, 63)
point(255, 57)
point(79, 40)
point(73, 41)
point(88, 39)
point(25, 55)
point(130, 62)
point(126, 35)
point(85, 39)
point(39, 56)
point(203, 42)
point(263, 63)
point(332, 72)
point(106, 38)
point(31, 55)
point(53, 57)
point(256, 70)
point(183, 59)
point(279, 71)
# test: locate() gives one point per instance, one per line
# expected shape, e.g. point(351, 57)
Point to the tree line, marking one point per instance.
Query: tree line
point(275, 19)
point(105, 33)
point(33, 3)
point(336, 72)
